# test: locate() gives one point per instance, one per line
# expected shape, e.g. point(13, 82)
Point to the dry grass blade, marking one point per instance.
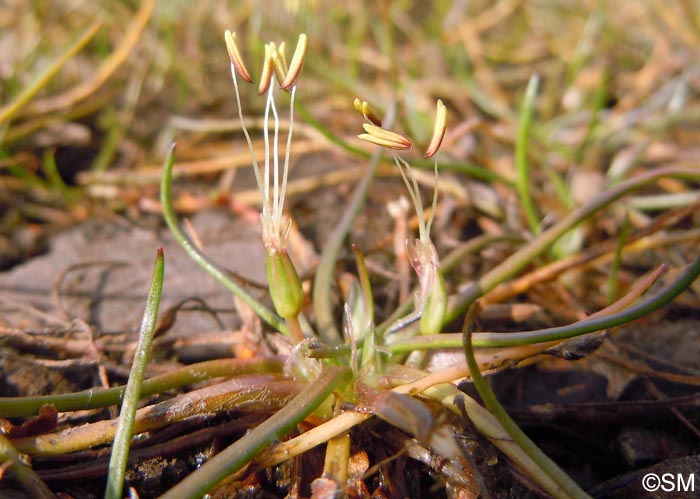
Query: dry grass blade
point(253, 393)
point(23, 99)
point(103, 72)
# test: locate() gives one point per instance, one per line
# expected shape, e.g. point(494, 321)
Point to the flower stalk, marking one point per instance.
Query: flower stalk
point(283, 280)
point(431, 297)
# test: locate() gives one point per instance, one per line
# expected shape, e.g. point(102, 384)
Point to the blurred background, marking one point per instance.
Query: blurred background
point(93, 93)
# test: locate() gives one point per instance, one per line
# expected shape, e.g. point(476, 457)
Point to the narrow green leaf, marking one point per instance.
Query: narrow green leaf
point(566, 487)
point(521, 163)
point(97, 397)
point(125, 425)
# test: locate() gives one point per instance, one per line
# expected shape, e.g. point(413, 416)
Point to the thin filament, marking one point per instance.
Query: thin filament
point(276, 209)
point(288, 149)
point(433, 206)
point(413, 192)
point(268, 104)
point(256, 169)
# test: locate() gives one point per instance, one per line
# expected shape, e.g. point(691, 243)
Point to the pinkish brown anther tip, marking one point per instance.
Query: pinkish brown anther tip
point(235, 56)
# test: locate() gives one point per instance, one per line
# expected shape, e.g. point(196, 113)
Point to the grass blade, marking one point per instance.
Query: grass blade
point(125, 426)
point(521, 164)
point(43, 79)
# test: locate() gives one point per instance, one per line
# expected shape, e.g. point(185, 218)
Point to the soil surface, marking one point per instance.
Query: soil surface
point(607, 423)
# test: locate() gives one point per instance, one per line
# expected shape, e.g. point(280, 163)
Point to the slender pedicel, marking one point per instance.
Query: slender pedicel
point(284, 284)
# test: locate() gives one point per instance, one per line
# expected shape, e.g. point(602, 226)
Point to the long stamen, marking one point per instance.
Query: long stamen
point(276, 208)
point(433, 205)
point(414, 192)
point(419, 208)
point(256, 168)
point(289, 147)
point(266, 125)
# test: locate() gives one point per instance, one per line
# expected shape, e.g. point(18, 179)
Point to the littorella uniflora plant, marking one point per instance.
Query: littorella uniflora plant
point(431, 297)
point(283, 281)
